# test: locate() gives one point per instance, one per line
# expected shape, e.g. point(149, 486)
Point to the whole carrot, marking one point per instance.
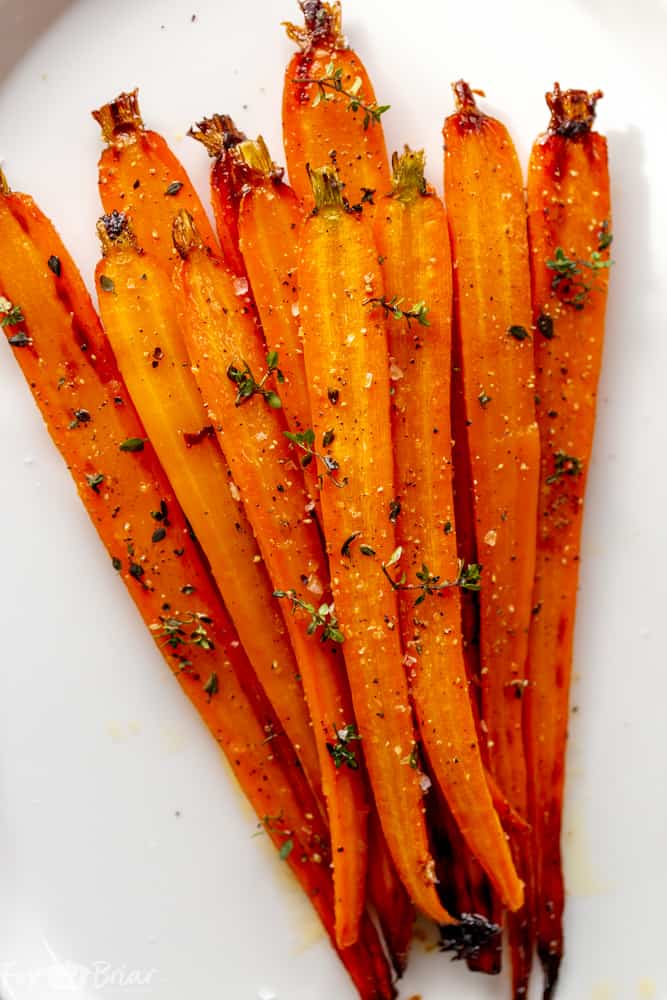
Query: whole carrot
point(487, 220)
point(140, 315)
point(411, 236)
point(140, 176)
point(569, 219)
point(329, 108)
point(220, 136)
point(228, 356)
point(348, 383)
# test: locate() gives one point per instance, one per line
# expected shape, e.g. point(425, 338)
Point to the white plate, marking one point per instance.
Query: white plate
point(122, 842)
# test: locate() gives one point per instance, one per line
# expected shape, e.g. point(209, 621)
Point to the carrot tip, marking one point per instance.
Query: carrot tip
point(254, 160)
point(4, 184)
point(114, 230)
point(218, 134)
point(468, 937)
point(572, 111)
point(323, 26)
point(407, 173)
point(185, 234)
point(121, 117)
point(327, 188)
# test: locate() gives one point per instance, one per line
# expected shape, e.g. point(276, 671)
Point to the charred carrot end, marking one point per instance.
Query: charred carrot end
point(389, 897)
point(329, 103)
point(411, 236)
point(140, 176)
point(220, 136)
point(570, 264)
point(227, 354)
point(348, 372)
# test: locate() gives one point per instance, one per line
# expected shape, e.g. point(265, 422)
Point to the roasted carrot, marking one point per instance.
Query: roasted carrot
point(348, 383)
point(269, 221)
point(228, 355)
point(140, 176)
point(219, 135)
point(329, 109)
point(570, 234)
point(75, 382)
point(487, 220)
point(140, 316)
point(411, 237)
point(395, 911)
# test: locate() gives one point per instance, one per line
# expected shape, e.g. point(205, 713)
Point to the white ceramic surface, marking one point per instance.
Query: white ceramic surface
point(123, 843)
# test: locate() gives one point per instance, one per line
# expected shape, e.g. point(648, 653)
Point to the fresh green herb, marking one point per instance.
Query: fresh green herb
point(468, 578)
point(394, 510)
point(565, 465)
point(116, 563)
point(162, 514)
point(366, 550)
point(345, 547)
point(174, 188)
point(518, 332)
point(247, 385)
point(200, 637)
point(13, 314)
point(132, 444)
point(106, 284)
point(95, 480)
point(328, 438)
point(159, 534)
point(484, 399)
point(605, 238)
point(211, 686)
point(545, 325)
point(80, 417)
point(393, 307)
point(568, 279)
point(340, 751)
point(332, 83)
point(54, 265)
point(305, 441)
point(286, 849)
point(322, 617)
point(412, 758)
point(178, 632)
point(447, 527)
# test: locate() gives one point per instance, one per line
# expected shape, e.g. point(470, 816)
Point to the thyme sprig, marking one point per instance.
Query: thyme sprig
point(394, 307)
point(332, 83)
point(13, 314)
point(177, 631)
point(340, 751)
point(568, 280)
point(322, 617)
point(247, 385)
point(305, 441)
point(468, 577)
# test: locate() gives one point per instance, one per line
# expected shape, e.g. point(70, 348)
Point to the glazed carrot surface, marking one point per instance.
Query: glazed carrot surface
point(348, 381)
point(80, 392)
point(570, 230)
point(412, 238)
point(487, 217)
point(228, 355)
point(137, 303)
point(329, 109)
point(140, 176)
point(220, 136)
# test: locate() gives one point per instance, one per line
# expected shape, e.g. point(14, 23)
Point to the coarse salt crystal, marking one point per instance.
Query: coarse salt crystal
point(490, 538)
point(240, 286)
point(368, 381)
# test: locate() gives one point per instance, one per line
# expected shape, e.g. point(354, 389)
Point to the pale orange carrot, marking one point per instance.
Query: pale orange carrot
point(228, 356)
point(348, 382)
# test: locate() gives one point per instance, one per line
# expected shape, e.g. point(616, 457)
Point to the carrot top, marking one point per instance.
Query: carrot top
point(322, 26)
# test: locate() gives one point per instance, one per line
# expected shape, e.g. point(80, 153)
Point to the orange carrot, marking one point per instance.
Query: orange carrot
point(140, 176)
point(228, 356)
point(570, 234)
point(219, 135)
point(67, 363)
point(348, 382)
point(488, 226)
point(329, 108)
point(411, 236)
point(387, 893)
point(141, 320)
